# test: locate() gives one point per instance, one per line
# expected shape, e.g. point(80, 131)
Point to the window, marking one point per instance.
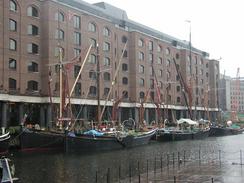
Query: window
point(59, 34)
point(76, 52)
point(106, 91)
point(92, 74)
point(12, 64)
point(160, 60)
point(93, 91)
point(12, 5)
point(152, 95)
point(159, 48)
point(93, 42)
point(150, 45)
point(32, 48)
point(11, 84)
point(141, 55)
point(168, 63)
point(178, 88)
point(141, 69)
point(178, 99)
point(106, 32)
point(92, 59)
point(150, 58)
point(142, 95)
point(206, 65)
point(124, 39)
point(32, 11)
point(160, 73)
point(125, 80)
point(92, 27)
point(141, 82)
point(12, 44)
point(32, 85)
point(125, 94)
point(106, 46)
point(12, 25)
point(76, 20)
point(77, 38)
point(177, 56)
point(32, 67)
point(32, 30)
point(160, 84)
point(106, 76)
point(59, 16)
point(125, 55)
point(124, 67)
point(78, 89)
point(167, 51)
point(151, 83)
point(140, 43)
point(58, 50)
point(76, 70)
point(106, 61)
point(151, 71)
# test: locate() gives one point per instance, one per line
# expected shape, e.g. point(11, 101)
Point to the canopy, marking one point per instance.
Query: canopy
point(188, 121)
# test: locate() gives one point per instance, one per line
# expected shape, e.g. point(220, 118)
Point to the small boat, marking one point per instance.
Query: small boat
point(187, 131)
point(217, 131)
point(35, 140)
point(4, 143)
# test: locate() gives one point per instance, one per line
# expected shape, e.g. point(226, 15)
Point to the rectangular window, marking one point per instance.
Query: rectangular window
point(12, 44)
point(76, 52)
point(77, 38)
point(76, 70)
point(76, 20)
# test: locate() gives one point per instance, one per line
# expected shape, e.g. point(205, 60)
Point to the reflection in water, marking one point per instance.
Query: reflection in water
point(60, 168)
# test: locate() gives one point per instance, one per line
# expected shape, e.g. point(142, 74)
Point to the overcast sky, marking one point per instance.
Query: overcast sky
point(217, 26)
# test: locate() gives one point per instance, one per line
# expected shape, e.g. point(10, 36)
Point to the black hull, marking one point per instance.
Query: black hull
point(4, 144)
point(138, 140)
point(92, 144)
point(177, 136)
point(218, 131)
point(40, 140)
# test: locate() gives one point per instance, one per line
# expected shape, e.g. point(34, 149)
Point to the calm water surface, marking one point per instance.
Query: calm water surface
point(71, 168)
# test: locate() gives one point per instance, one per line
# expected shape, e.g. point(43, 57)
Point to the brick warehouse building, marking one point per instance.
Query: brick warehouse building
point(32, 32)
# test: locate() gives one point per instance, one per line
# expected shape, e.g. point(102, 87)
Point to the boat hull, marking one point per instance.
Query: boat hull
point(87, 143)
point(4, 143)
point(138, 140)
point(38, 140)
point(218, 131)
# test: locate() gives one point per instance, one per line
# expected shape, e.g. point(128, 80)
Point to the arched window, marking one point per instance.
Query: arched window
point(92, 91)
point(124, 39)
point(160, 60)
point(12, 84)
point(124, 67)
point(106, 61)
point(59, 16)
point(106, 46)
point(58, 50)
point(167, 51)
point(32, 30)
point(92, 59)
point(141, 82)
point(159, 48)
point(12, 5)
point(32, 67)
point(106, 76)
point(140, 43)
point(125, 94)
point(12, 64)
point(32, 48)
point(150, 45)
point(59, 34)
point(93, 42)
point(141, 55)
point(106, 91)
point(125, 80)
point(12, 25)
point(32, 85)
point(77, 90)
point(142, 95)
point(32, 11)
point(12, 44)
point(106, 31)
point(92, 27)
point(92, 74)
